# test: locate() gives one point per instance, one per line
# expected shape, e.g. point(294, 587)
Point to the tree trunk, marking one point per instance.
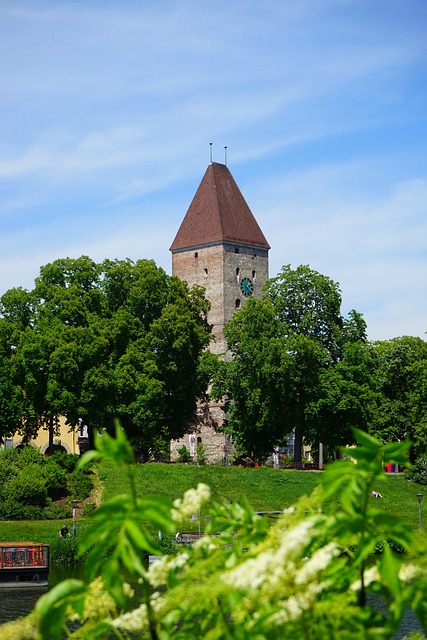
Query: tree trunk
point(298, 449)
point(51, 434)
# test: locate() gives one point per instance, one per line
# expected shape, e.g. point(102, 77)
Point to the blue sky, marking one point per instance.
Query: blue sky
point(108, 107)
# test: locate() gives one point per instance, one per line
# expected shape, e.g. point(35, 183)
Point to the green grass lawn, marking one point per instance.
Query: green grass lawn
point(265, 489)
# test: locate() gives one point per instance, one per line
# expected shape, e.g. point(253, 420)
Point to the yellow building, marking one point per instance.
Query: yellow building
point(68, 440)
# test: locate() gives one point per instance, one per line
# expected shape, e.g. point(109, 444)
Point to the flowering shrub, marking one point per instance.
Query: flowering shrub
point(307, 575)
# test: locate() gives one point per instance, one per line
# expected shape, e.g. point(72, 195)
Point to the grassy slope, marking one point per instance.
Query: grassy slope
point(266, 490)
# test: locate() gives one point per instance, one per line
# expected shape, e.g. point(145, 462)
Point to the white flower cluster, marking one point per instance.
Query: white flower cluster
point(294, 606)
point(316, 563)
point(191, 502)
point(158, 571)
point(281, 574)
point(136, 620)
point(269, 565)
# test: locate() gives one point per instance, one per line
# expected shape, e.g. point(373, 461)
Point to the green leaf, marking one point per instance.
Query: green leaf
point(366, 440)
point(52, 606)
point(389, 568)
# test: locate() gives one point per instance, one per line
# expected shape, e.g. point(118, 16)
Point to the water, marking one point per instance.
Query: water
point(16, 603)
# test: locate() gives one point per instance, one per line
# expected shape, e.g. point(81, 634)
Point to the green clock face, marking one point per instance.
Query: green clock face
point(247, 286)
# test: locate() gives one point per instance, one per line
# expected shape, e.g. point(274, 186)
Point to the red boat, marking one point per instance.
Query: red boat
point(24, 564)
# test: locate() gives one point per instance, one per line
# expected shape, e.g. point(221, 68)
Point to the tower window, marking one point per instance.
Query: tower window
point(206, 273)
point(196, 255)
point(237, 274)
point(236, 249)
point(237, 303)
point(254, 274)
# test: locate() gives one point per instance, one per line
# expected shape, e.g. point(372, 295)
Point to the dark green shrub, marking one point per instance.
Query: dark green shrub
point(160, 449)
point(418, 473)
point(80, 485)
point(26, 455)
point(168, 545)
point(12, 510)
point(57, 512)
point(55, 479)
point(63, 550)
point(7, 470)
point(28, 488)
point(65, 460)
point(184, 454)
point(201, 454)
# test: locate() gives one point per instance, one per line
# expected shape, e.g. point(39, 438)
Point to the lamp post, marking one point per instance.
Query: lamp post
point(74, 505)
point(420, 497)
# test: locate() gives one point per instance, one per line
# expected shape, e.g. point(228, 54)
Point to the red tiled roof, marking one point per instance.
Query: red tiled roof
point(218, 213)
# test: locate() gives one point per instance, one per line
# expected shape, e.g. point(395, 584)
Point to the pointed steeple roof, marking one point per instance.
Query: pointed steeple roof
point(218, 213)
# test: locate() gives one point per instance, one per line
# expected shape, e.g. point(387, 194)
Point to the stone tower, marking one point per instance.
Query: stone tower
point(219, 246)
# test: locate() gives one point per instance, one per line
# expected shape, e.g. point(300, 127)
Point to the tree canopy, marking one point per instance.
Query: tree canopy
point(96, 342)
point(293, 354)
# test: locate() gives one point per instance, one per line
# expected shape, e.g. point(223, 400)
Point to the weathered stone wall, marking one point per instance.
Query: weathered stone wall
point(220, 269)
point(217, 446)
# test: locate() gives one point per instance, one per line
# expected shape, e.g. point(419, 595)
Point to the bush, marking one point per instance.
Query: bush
point(184, 454)
point(12, 510)
point(66, 461)
point(55, 478)
point(29, 482)
point(63, 550)
point(28, 488)
point(201, 454)
point(26, 455)
point(80, 485)
point(418, 473)
point(8, 470)
point(56, 512)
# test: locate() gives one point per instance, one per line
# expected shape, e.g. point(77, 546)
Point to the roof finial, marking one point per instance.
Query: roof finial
point(225, 156)
point(210, 151)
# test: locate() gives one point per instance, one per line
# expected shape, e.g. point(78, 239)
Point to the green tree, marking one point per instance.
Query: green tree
point(116, 339)
point(347, 399)
point(401, 382)
point(418, 400)
point(291, 353)
point(15, 317)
